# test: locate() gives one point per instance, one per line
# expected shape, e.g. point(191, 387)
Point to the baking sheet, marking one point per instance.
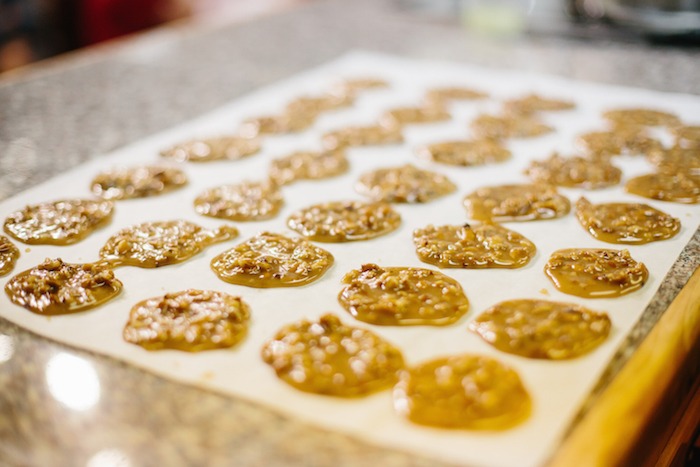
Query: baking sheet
point(557, 388)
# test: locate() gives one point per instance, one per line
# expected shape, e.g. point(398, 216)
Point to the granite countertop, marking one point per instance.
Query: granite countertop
point(62, 113)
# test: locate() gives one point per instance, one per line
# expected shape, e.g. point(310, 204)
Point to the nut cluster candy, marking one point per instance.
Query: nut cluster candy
point(190, 320)
point(344, 221)
point(595, 272)
point(331, 358)
point(488, 245)
point(462, 391)
point(542, 329)
point(61, 222)
point(402, 296)
point(58, 288)
point(272, 260)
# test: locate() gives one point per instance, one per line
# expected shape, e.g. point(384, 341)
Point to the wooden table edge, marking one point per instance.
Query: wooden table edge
point(614, 426)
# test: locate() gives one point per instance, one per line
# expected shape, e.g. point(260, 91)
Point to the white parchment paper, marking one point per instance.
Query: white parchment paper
point(557, 388)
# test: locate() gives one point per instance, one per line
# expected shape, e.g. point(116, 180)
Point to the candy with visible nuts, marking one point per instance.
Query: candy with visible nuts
point(137, 182)
point(512, 126)
point(533, 103)
point(8, 255)
point(542, 329)
point(404, 184)
point(627, 223)
point(61, 222)
point(466, 153)
point(272, 260)
point(471, 392)
point(190, 320)
point(156, 244)
point(213, 149)
point(330, 358)
point(641, 117)
point(487, 245)
point(677, 188)
point(506, 203)
point(58, 288)
point(676, 160)
point(308, 165)
point(595, 272)
point(371, 135)
point(245, 201)
point(396, 296)
point(344, 221)
point(574, 172)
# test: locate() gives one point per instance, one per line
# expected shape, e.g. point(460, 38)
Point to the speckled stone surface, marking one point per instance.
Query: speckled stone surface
point(57, 115)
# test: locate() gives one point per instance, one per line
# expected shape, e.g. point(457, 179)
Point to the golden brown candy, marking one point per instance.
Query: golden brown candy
point(641, 117)
point(678, 188)
point(8, 255)
point(344, 221)
point(275, 124)
point(312, 106)
point(328, 357)
point(595, 272)
point(371, 135)
point(575, 172)
point(542, 329)
point(514, 126)
point(245, 201)
point(487, 245)
point(415, 115)
point(466, 153)
point(443, 95)
point(622, 139)
point(191, 320)
point(213, 149)
point(137, 182)
point(463, 392)
point(308, 165)
point(533, 103)
point(516, 203)
point(402, 296)
point(353, 86)
point(272, 260)
point(404, 184)
point(156, 244)
point(58, 288)
point(676, 160)
point(687, 136)
point(61, 222)
point(627, 223)
point(601, 144)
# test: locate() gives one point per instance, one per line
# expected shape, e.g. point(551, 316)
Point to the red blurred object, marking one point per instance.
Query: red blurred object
point(101, 20)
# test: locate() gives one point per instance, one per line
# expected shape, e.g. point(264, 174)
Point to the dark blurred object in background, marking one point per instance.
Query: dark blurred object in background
point(101, 20)
point(34, 29)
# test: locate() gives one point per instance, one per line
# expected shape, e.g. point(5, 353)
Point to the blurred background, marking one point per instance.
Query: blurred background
point(32, 30)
